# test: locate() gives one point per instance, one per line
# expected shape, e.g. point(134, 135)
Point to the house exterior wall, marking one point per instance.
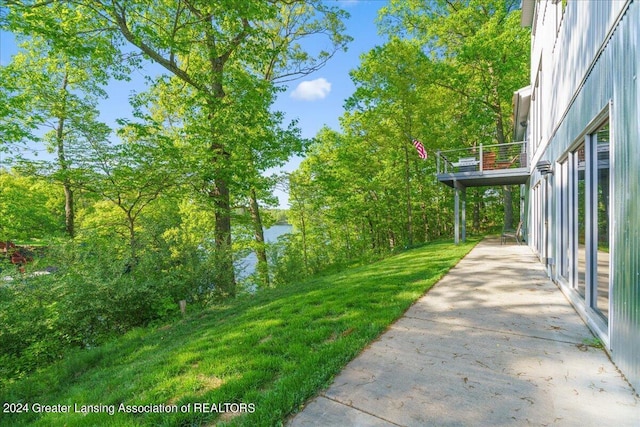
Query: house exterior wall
point(584, 74)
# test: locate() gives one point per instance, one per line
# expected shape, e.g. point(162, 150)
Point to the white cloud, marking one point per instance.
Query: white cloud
point(312, 90)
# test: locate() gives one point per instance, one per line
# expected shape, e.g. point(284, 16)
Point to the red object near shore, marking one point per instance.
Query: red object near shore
point(17, 255)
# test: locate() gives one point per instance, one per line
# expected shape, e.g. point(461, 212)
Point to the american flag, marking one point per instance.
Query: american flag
point(422, 152)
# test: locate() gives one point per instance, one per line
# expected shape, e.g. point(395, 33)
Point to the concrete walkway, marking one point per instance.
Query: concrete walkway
point(494, 343)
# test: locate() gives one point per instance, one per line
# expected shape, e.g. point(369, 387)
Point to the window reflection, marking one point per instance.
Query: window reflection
point(580, 217)
point(601, 287)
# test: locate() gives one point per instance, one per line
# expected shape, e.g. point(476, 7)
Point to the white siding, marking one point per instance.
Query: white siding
point(586, 61)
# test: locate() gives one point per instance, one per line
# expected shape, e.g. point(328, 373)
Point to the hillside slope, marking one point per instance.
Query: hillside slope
point(252, 361)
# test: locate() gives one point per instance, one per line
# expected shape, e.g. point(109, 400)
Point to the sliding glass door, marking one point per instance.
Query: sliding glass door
point(584, 219)
point(600, 140)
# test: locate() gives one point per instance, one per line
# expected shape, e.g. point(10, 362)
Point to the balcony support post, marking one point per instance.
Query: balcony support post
point(460, 213)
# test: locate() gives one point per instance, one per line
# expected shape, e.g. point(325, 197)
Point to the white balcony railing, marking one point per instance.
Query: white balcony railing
point(483, 158)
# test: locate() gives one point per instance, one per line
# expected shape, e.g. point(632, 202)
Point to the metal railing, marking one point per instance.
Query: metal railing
point(483, 158)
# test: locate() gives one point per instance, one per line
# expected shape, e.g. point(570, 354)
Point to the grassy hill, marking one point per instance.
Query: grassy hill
point(253, 361)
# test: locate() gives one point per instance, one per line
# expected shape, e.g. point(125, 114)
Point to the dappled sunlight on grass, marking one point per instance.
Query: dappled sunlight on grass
point(274, 349)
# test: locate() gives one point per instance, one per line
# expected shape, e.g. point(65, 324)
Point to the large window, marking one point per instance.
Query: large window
point(584, 217)
point(579, 218)
point(563, 220)
point(600, 140)
point(536, 111)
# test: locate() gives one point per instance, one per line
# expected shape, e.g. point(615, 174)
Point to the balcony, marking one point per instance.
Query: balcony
point(485, 165)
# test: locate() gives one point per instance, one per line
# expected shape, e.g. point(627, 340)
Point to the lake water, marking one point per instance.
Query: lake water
point(246, 266)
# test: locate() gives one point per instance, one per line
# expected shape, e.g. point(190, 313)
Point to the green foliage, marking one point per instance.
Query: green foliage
point(222, 62)
point(593, 342)
point(155, 209)
point(28, 207)
point(29, 334)
point(274, 349)
point(287, 258)
point(95, 293)
point(445, 76)
point(43, 315)
point(346, 206)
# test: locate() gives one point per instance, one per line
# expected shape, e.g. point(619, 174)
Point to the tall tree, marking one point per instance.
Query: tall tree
point(482, 56)
point(286, 60)
point(130, 175)
point(214, 50)
point(53, 98)
point(431, 80)
point(390, 87)
point(196, 43)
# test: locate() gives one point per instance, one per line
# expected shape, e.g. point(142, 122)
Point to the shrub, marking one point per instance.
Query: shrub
point(89, 299)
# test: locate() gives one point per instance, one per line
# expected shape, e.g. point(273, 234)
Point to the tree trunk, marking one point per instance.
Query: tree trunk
point(372, 233)
point(508, 208)
point(476, 210)
point(69, 211)
point(258, 232)
point(132, 240)
point(224, 275)
point(392, 239)
point(425, 220)
point(507, 200)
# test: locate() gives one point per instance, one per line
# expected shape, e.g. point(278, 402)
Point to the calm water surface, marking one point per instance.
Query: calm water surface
point(246, 266)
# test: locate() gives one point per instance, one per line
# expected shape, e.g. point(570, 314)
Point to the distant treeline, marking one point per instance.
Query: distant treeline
point(279, 215)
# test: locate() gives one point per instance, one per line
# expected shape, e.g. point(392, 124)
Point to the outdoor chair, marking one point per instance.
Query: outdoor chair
point(506, 164)
point(511, 234)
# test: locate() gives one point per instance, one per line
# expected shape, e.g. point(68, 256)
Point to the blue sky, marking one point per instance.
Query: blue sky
point(315, 101)
point(332, 84)
point(334, 77)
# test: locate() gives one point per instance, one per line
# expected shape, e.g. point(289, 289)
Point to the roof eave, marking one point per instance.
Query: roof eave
point(528, 10)
point(521, 102)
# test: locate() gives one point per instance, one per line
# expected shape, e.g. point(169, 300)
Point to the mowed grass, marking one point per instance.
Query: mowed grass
point(271, 351)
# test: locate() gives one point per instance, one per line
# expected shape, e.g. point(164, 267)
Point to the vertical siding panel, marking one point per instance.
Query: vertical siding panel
point(613, 77)
point(627, 300)
point(625, 317)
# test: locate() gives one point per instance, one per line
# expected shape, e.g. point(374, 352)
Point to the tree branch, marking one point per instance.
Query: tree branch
point(120, 19)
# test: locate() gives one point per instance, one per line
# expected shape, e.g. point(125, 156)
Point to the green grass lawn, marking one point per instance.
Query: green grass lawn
point(266, 354)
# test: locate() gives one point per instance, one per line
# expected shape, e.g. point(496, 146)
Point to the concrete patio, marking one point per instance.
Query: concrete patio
point(494, 343)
